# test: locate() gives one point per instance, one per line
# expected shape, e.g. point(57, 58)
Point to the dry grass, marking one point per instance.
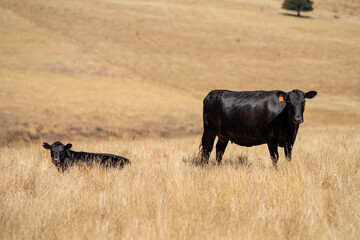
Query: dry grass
point(160, 196)
point(128, 77)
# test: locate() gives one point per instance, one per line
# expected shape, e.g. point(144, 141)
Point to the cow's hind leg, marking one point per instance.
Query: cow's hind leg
point(273, 149)
point(207, 144)
point(220, 148)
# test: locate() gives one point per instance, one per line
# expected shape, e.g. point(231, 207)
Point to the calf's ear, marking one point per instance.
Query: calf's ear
point(68, 146)
point(46, 145)
point(310, 94)
point(282, 96)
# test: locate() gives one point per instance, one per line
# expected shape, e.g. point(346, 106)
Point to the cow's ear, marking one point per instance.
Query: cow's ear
point(310, 94)
point(68, 146)
point(282, 96)
point(46, 145)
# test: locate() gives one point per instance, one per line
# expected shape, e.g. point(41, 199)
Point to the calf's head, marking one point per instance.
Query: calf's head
point(295, 103)
point(58, 151)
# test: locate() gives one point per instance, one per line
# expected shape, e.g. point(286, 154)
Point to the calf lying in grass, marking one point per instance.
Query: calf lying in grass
point(63, 157)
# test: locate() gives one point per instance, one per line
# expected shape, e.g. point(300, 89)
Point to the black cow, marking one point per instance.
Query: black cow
point(252, 118)
point(63, 157)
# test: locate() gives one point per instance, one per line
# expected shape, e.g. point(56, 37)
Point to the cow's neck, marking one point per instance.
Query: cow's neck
point(70, 154)
point(68, 158)
point(292, 128)
point(293, 131)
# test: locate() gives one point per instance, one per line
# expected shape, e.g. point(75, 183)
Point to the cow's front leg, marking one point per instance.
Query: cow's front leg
point(288, 149)
point(273, 149)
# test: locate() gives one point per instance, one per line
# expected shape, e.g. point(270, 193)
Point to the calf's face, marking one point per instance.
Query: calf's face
point(296, 104)
point(58, 151)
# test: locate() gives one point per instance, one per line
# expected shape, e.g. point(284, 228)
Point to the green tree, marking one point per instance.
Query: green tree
point(298, 5)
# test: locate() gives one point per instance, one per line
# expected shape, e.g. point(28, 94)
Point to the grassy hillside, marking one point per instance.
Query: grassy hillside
point(141, 68)
point(128, 77)
point(209, 45)
point(52, 88)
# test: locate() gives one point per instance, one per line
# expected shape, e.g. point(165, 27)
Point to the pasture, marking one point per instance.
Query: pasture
point(128, 78)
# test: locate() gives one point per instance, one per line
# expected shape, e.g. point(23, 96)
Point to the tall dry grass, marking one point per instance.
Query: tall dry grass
point(162, 195)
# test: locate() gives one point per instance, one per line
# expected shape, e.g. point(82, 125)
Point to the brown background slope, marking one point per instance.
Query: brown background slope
point(77, 69)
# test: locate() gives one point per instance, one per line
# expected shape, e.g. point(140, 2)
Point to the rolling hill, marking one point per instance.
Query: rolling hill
point(141, 68)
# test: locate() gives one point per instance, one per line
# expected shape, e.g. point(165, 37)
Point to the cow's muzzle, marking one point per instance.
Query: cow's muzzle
point(298, 120)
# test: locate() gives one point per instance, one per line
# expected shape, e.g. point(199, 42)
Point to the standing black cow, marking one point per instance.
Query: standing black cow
point(252, 118)
point(63, 157)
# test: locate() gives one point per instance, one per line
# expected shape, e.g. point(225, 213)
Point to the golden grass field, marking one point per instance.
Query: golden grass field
point(128, 77)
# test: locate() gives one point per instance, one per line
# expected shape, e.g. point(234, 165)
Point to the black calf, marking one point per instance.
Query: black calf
point(62, 157)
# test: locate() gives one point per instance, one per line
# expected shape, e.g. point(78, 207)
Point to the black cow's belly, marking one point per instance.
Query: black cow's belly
point(246, 140)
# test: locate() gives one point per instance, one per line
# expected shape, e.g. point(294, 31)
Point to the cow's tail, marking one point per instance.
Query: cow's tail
point(198, 159)
point(201, 150)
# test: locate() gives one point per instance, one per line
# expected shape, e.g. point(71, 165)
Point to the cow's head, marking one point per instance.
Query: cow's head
point(295, 103)
point(58, 151)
